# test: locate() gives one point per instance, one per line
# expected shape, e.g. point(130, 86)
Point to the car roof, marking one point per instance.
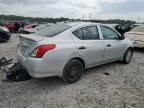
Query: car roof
point(80, 23)
point(83, 24)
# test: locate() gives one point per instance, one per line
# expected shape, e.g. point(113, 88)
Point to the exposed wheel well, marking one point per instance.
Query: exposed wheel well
point(81, 60)
point(128, 49)
point(124, 57)
point(131, 48)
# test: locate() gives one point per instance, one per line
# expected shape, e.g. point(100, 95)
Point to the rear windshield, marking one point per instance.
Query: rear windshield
point(138, 29)
point(52, 30)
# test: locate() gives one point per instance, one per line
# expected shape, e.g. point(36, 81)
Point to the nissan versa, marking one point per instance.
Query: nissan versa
point(65, 50)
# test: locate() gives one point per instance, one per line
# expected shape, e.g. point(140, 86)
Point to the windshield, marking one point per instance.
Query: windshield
point(52, 30)
point(138, 29)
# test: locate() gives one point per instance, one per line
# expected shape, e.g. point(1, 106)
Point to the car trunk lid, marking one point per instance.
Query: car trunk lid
point(27, 43)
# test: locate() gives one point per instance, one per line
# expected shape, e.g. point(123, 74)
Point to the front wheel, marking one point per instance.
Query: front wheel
point(72, 71)
point(128, 56)
point(1, 39)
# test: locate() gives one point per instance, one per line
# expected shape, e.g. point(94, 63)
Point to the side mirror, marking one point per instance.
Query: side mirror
point(122, 37)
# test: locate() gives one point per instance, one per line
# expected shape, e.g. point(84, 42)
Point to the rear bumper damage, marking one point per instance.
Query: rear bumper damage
point(14, 72)
point(37, 68)
point(17, 73)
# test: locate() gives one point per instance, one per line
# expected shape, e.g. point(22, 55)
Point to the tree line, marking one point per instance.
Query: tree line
point(54, 20)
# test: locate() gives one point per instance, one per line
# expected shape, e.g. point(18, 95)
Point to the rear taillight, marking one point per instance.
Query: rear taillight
point(41, 50)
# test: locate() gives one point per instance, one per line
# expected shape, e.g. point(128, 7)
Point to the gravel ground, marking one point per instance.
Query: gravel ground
point(123, 88)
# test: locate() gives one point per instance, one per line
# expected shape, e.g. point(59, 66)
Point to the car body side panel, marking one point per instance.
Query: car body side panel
point(113, 52)
point(117, 49)
point(94, 52)
point(54, 61)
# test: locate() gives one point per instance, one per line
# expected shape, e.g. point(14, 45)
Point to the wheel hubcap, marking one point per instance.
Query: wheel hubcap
point(73, 72)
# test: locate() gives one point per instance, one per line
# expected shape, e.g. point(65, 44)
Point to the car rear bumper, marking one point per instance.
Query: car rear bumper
point(37, 67)
point(139, 44)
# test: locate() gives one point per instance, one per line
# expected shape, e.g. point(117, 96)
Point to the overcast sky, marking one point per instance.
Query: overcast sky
point(88, 9)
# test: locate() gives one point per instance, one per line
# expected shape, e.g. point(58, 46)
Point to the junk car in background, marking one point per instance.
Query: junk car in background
point(30, 30)
point(121, 28)
point(137, 36)
point(4, 34)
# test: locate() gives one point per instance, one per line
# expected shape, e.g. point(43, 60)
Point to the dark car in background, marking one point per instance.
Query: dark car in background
point(4, 34)
point(121, 28)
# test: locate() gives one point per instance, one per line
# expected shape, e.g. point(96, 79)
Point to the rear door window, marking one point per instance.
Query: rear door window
point(90, 33)
point(87, 33)
point(79, 34)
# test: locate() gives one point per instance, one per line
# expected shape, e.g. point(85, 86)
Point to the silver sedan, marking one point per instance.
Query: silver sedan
point(65, 50)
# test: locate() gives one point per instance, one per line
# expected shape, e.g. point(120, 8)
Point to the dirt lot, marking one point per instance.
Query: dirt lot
point(123, 88)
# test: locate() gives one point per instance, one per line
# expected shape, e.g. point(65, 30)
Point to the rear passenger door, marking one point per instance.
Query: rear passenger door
point(89, 45)
point(113, 45)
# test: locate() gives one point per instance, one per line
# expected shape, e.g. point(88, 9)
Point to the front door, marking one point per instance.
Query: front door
point(113, 45)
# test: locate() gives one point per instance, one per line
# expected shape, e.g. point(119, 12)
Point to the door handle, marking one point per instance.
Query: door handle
point(82, 47)
point(109, 45)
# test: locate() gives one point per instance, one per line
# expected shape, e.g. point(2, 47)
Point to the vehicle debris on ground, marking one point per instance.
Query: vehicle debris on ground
point(14, 72)
point(17, 73)
point(4, 62)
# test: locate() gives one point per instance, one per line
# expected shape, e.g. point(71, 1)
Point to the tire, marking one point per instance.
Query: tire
point(72, 71)
point(1, 39)
point(128, 56)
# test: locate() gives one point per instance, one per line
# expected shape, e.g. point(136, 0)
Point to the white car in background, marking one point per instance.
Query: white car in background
point(65, 50)
point(137, 36)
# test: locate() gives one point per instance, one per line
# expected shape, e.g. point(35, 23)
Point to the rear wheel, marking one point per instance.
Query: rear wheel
point(128, 56)
point(72, 71)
